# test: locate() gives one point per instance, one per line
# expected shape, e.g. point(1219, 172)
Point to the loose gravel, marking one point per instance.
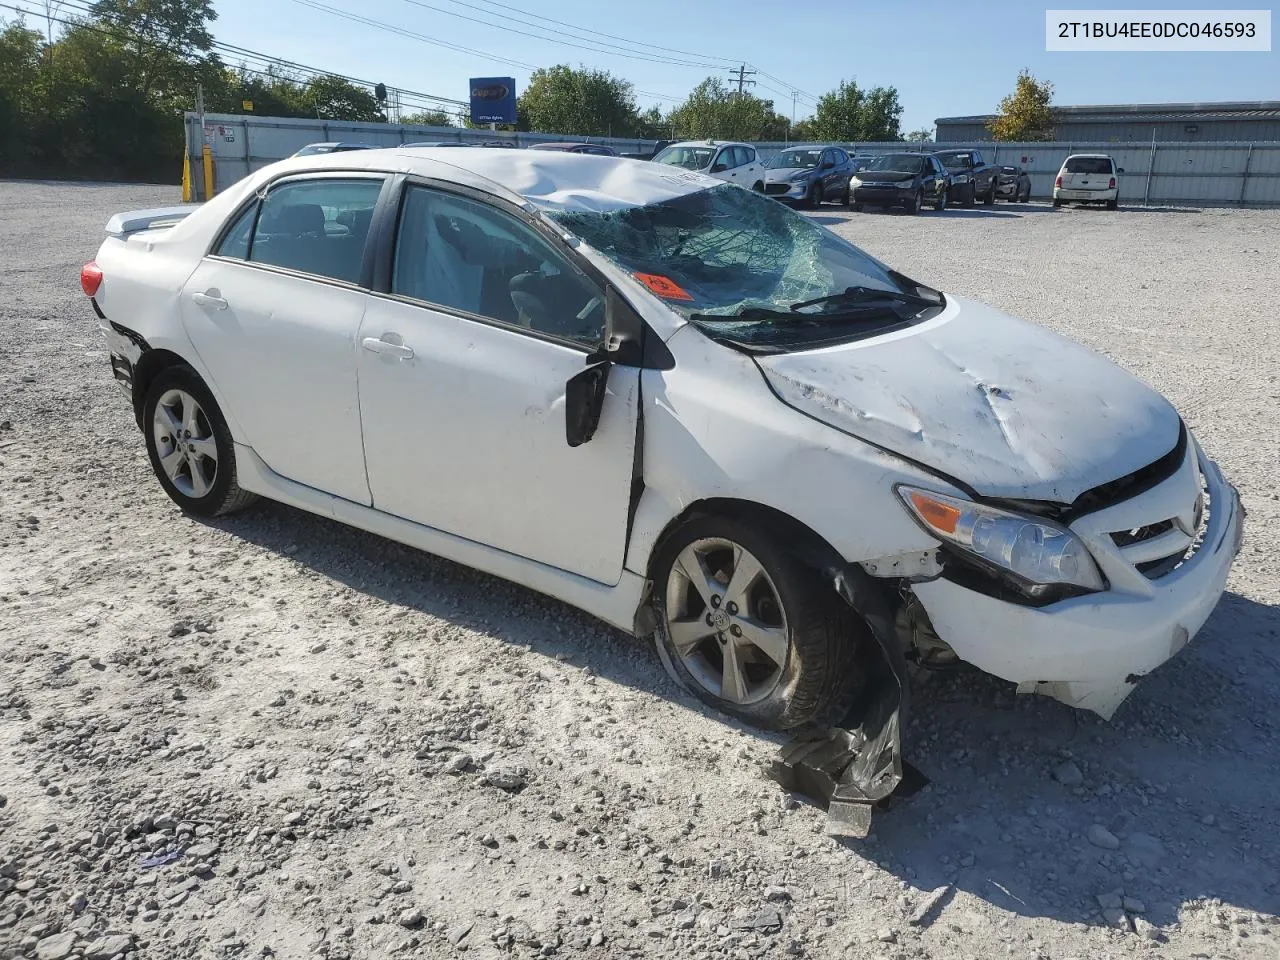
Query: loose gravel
point(273, 736)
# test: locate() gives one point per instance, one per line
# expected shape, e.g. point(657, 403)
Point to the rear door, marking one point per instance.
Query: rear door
point(1088, 173)
point(273, 313)
point(463, 362)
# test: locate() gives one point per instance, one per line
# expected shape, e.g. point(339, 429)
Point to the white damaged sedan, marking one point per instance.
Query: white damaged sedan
point(677, 405)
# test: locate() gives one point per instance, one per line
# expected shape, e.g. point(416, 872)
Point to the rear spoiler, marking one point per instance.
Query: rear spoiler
point(134, 221)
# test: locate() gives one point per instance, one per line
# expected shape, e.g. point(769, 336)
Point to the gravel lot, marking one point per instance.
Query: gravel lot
point(365, 751)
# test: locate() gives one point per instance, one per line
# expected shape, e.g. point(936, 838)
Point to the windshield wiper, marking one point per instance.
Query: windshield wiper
point(861, 294)
point(787, 318)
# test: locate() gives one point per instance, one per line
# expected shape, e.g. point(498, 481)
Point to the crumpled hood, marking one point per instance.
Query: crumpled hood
point(1000, 404)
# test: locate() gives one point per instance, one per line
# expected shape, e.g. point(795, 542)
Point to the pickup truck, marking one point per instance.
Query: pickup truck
point(971, 176)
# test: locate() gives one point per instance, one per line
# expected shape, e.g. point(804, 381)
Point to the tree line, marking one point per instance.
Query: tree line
point(102, 96)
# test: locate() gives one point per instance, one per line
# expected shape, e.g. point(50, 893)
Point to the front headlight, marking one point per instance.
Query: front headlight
point(799, 177)
point(1033, 550)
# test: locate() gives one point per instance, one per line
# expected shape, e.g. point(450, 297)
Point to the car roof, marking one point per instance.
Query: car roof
point(1092, 156)
point(561, 145)
point(708, 143)
point(548, 179)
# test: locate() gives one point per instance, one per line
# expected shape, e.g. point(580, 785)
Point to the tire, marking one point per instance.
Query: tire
point(844, 197)
point(758, 186)
point(1113, 204)
point(814, 200)
point(970, 194)
point(189, 445)
point(855, 207)
point(912, 206)
point(990, 199)
point(940, 201)
point(1056, 203)
point(819, 678)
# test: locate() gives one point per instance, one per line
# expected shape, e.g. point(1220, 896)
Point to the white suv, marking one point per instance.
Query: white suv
point(731, 162)
point(1087, 178)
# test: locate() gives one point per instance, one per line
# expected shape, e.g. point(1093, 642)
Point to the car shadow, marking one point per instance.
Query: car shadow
point(1181, 779)
point(1195, 741)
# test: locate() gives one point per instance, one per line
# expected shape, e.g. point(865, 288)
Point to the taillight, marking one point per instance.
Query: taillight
point(1058, 182)
point(90, 278)
point(1112, 184)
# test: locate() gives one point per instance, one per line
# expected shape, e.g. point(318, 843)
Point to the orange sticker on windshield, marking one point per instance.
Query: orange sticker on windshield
point(664, 287)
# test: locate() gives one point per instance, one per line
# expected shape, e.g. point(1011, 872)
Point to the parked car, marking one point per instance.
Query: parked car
point(908, 180)
point(809, 175)
point(732, 162)
point(838, 460)
point(597, 149)
point(438, 143)
point(971, 176)
point(313, 149)
point(1088, 178)
point(1013, 183)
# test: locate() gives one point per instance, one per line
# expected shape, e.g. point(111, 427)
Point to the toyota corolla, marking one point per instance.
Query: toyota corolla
point(675, 404)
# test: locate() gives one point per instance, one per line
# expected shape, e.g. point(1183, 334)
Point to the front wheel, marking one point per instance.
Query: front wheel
point(912, 205)
point(190, 446)
point(970, 194)
point(815, 196)
point(750, 631)
point(990, 198)
point(940, 201)
point(758, 187)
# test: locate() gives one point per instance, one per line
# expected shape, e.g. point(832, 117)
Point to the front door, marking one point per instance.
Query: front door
point(273, 314)
point(463, 365)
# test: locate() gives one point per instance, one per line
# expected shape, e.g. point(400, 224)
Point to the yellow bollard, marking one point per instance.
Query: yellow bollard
point(186, 177)
point(207, 156)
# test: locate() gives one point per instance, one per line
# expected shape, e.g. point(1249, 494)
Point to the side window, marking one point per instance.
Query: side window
point(469, 256)
point(842, 157)
point(724, 159)
point(748, 154)
point(235, 242)
point(316, 226)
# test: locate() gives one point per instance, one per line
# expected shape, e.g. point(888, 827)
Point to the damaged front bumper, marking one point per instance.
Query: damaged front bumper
point(1091, 651)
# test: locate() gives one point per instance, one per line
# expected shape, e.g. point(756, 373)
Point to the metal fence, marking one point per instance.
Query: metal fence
point(1158, 173)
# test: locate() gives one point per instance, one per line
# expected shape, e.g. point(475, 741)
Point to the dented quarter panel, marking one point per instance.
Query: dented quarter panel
point(712, 428)
point(1006, 406)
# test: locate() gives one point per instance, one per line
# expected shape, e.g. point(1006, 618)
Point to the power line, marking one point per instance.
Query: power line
point(599, 33)
point(598, 48)
point(428, 100)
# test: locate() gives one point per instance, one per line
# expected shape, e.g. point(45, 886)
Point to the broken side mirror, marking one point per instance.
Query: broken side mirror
point(583, 402)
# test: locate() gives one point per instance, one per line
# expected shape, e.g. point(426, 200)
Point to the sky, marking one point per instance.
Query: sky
point(942, 62)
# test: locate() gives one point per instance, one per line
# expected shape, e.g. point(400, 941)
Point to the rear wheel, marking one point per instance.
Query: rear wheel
point(1113, 204)
point(1056, 203)
point(189, 445)
point(751, 631)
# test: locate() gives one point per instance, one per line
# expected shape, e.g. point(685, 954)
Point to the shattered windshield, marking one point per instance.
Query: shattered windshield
point(691, 158)
point(897, 162)
point(795, 159)
point(749, 270)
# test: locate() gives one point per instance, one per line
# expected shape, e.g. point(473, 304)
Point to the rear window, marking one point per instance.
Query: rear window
point(1088, 165)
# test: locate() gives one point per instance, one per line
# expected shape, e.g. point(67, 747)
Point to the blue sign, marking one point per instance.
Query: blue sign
point(493, 100)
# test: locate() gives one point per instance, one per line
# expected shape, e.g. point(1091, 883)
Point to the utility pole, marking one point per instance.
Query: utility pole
point(742, 73)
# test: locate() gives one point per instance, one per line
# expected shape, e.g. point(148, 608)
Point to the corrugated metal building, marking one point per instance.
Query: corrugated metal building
point(1254, 121)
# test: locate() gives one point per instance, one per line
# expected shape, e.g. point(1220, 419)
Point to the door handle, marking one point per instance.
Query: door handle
point(386, 348)
point(210, 300)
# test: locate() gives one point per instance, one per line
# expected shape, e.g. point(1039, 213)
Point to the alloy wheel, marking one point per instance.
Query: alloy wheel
point(185, 444)
point(725, 621)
